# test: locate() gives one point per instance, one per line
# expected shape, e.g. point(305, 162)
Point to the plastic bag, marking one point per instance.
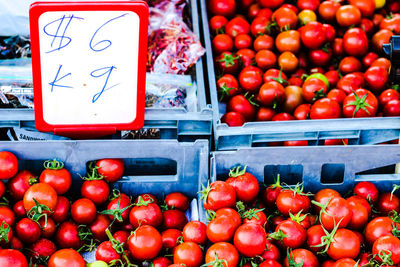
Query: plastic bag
point(172, 47)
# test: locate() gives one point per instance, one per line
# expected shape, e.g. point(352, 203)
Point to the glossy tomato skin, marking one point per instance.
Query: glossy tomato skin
point(217, 23)
point(338, 212)
point(221, 195)
point(265, 59)
point(195, 231)
point(111, 169)
point(83, 211)
point(379, 38)
point(236, 26)
point(378, 227)
point(221, 229)
point(243, 41)
point(349, 104)
point(12, 257)
point(350, 64)
point(227, 62)
point(376, 79)
point(263, 42)
point(367, 7)
point(359, 216)
point(302, 112)
point(288, 200)
point(250, 78)
point(327, 10)
point(302, 256)
point(346, 245)
point(95, 190)
point(19, 210)
point(355, 42)
point(369, 58)
point(59, 179)
point(314, 235)
point(348, 15)
point(174, 219)
point(241, 105)
point(250, 239)
point(367, 190)
point(265, 114)
point(105, 252)
point(320, 57)
point(20, 183)
point(222, 7)
point(388, 203)
point(288, 41)
point(271, 4)
point(313, 35)
point(389, 244)
point(61, 210)
point(177, 200)
point(8, 232)
point(149, 214)
point(246, 187)
point(388, 95)
point(7, 215)
point(295, 234)
point(272, 93)
point(392, 108)
point(345, 262)
point(293, 98)
point(43, 193)
point(66, 257)
point(67, 235)
point(224, 251)
point(233, 119)
point(271, 252)
point(161, 262)
point(337, 94)
point(120, 202)
point(48, 227)
point(362, 201)
point(146, 243)
point(325, 108)
point(170, 237)
point(311, 87)
point(189, 254)
point(8, 165)
point(99, 226)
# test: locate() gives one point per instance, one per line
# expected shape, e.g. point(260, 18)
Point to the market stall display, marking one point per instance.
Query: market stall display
point(286, 62)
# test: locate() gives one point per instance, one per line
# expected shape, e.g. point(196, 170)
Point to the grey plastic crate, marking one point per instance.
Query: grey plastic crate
point(174, 123)
point(336, 167)
point(152, 166)
point(361, 131)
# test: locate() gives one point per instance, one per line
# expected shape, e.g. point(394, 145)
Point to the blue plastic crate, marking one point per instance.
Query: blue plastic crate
point(336, 167)
point(361, 131)
point(151, 166)
point(174, 123)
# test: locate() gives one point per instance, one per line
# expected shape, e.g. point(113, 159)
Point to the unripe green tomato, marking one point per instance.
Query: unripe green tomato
point(97, 264)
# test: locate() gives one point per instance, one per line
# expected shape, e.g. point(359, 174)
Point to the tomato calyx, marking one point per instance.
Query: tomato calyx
point(228, 59)
point(385, 257)
point(142, 202)
point(114, 194)
point(278, 235)
point(38, 211)
point(236, 172)
point(359, 103)
point(116, 213)
point(216, 262)
point(328, 239)
point(250, 98)
point(319, 94)
point(211, 215)
point(53, 164)
point(395, 187)
point(252, 261)
point(205, 192)
point(280, 79)
point(277, 182)
point(92, 175)
point(241, 208)
point(396, 87)
point(298, 217)
point(323, 207)
point(298, 189)
point(251, 213)
point(224, 91)
point(4, 230)
point(291, 261)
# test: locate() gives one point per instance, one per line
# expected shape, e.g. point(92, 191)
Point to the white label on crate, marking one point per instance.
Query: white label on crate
point(85, 80)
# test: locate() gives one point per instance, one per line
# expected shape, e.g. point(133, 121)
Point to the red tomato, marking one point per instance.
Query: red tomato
point(367, 26)
point(392, 108)
point(250, 78)
point(337, 94)
point(388, 203)
point(170, 238)
point(20, 183)
point(271, 252)
point(285, 17)
point(236, 26)
point(272, 94)
point(119, 208)
point(327, 10)
point(381, 37)
point(263, 42)
point(361, 103)
point(348, 15)
point(217, 23)
point(313, 88)
point(48, 227)
point(301, 256)
point(61, 210)
point(337, 47)
point(189, 254)
point(218, 195)
point(105, 252)
point(19, 209)
point(233, 119)
point(346, 245)
point(337, 213)
point(66, 257)
point(110, 169)
point(195, 231)
point(12, 257)
point(288, 41)
point(83, 211)
point(390, 245)
point(67, 236)
point(242, 41)
point(42, 193)
point(265, 59)
point(225, 252)
point(8, 165)
point(42, 248)
point(245, 184)
point(57, 176)
point(367, 7)
point(259, 25)
point(296, 143)
point(349, 65)
point(145, 243)
point(314, 235)
point(355, 42)
point(345, 262)
point(308, 4)
point(291, 201)
point(325, 108)
point(240, 104)
point(95, 190)
point(284, 116)
point(250, 239)
point(378, 227)
point(175, 219)
point(320, 57)
point(369, 58)
point(222, 7)
point(313, 35)
point(275, 75)
point(99, 226)
point(6, 234)
point(359, 216)
point(265, 114)
point(376, 79)
point(382, 62)
point(302, 112)
point(177, 200)
point(247, 56)
point(161, 262)
point(146, 213)
point(221, 229)
point(227, 62)
point(351, 82)
point(290, 234)
point(391, 23)
point(271, 3)
point(360, 200)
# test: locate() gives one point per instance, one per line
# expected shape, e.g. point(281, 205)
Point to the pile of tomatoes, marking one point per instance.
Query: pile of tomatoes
point(282, 60)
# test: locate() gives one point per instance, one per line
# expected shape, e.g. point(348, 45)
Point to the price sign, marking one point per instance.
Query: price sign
point(89, 66)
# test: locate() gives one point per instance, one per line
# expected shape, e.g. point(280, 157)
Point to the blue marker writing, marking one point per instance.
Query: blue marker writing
point(108, 42)
point(56, 35)
point(57, 79)
point(96, 74)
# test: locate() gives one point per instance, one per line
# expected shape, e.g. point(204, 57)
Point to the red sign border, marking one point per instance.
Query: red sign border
point(38, 8)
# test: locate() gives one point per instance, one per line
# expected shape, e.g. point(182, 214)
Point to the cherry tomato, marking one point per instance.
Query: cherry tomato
point(6, 236)
point(369, 58)
point(351, 82)
point(275, 75)
point(337, 94)
point(285, 17)
point(42, 193)
point(61, 210)
point(242, 40)
point(236, 26)
point(359, 216)
point(346, 245)
point(376, 79)
point(293, 98)
point(119, 208)
point(284, 116)
point(288, 41)
point(327, 10)
point(265, 114)
point(294, 235)
point(12, 257)
point(20, 183)
point(245, 184)
point(250, 78)
point(110, 169)
point(105, 252)
point(314, 235)
point(145, 213)
point(66, 257)
point(313, 88)
point(388, 244)
point(313, 35)
point(48, 227)
point(170, 238)
point(306, 15)
point(195, 231)
point(388, 203)
point(272, 94)
point(240, 104)
point(301, 256)
point(19, 210)
point(95, 190)
point(227, 62)
point(382, 62)
point(222, 7)
point(8, 165)
point(337, 213)
point(288, 61)
point(337, 47)
point(233, 119)
point(263, 42)
point(349, 64)
point(177, 200)
point(250, 239)
point(381, 37)
point(265, 59)
point(217, 23)
point(391, 23)
point(246, 56)
point(367, 7)
point(320, 57)
point(367, 26)
point(145, 243)
point(83, 211)
point(221, 229)
point(224, 251)
point(392, 108)
point(227, 86)
point(308, 4)
point(259, 25)
point(57, 176)
point(219, 195)
point(355, 42)
point(67, 236)
point(294, 202)
point(302, 112)
point(271, 3)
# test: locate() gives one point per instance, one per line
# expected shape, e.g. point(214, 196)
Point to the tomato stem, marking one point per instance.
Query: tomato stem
point(4, 230)
point(53, 164)
point(236, 172)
